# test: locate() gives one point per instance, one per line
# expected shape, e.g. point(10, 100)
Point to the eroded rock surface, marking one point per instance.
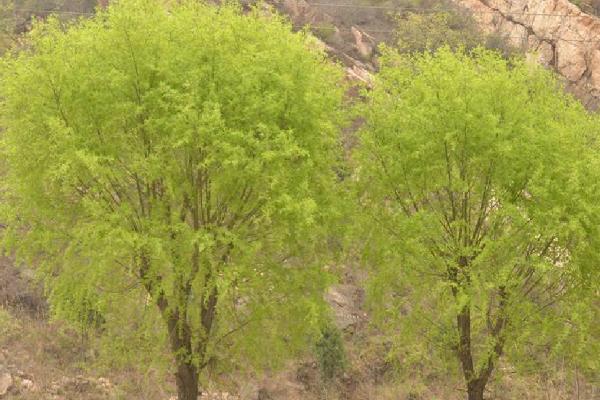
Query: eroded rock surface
point(346, 302)
point(6, 382)
point(556, 32)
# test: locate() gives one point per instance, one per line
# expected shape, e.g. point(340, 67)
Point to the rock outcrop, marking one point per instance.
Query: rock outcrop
point(343, 41)
point(6, 382)
point(15, 383)
point(556, 32)
point(346, 302)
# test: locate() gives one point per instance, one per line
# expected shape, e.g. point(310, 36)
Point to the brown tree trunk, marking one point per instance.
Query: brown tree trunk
point(475, 389)
point(186, 376)
point(477, 380)
point(180, 339)
point(463, 322)
point(187, 381)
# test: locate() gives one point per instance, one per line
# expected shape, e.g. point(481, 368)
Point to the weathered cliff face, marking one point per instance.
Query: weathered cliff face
point(556, 32)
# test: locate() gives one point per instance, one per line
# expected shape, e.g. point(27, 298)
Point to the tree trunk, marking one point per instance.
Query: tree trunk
point(463, 323)
point(180, 338)
point(187, 381)
point(187, 373)
point(475, 389)
point(477, 380)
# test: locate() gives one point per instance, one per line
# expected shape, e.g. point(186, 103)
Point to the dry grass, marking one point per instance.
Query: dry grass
point(62, 366)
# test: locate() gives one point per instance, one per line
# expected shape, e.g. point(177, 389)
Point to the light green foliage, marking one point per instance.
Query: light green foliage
point(179, 163)
point(480, 182)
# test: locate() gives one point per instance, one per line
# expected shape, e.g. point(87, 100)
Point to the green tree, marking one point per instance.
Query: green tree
point(184, 157)
point(478, 178)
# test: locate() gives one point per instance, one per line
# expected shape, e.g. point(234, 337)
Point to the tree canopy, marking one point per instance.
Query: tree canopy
point(181, 158)
point(481, 178)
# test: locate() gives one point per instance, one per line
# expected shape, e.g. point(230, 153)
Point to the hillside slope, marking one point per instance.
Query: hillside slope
point(556, 32)
point(44, 362)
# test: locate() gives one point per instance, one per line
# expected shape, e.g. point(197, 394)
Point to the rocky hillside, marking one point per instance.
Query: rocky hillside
point(556, 32)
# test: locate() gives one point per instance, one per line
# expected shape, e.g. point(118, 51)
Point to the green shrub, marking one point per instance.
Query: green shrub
point(330, 352)
point(447, 25)
point(428, 32)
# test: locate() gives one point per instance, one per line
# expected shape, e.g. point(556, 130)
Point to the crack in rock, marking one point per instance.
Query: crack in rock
point(572, 38)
